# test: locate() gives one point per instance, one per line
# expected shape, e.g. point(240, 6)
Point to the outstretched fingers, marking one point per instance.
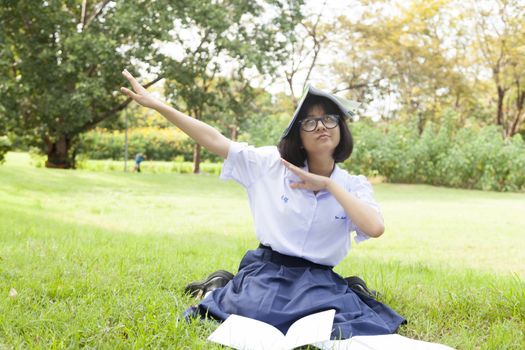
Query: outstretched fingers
point(297, 171)
point(299, 185)
point(288, 164)
point(129, 93)
point(138, 93)
point(134, 83)
point(294, 169)
point(308, 181)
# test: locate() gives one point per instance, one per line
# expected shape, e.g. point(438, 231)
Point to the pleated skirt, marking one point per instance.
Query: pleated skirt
point(280, 289)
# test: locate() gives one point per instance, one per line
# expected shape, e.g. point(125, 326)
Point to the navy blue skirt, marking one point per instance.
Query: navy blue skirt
point(280, 289)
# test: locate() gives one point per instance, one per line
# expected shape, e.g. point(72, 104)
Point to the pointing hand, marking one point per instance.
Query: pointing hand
point(141, 95)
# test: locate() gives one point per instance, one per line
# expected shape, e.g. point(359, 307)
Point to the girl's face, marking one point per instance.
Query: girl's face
point(321, 140)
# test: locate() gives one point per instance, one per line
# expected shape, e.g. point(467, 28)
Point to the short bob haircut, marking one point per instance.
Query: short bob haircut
point(291, 147)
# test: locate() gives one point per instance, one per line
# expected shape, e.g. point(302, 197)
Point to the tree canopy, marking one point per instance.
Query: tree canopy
point(434, 55)
point(60, 61)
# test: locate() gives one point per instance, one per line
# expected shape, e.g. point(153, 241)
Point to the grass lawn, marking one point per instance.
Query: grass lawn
point(100, 260)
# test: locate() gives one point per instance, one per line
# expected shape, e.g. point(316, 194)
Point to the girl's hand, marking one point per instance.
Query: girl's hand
point(141, 95)
point(311, 182)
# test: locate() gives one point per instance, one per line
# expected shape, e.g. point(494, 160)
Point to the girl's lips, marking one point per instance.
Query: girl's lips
point(323, 136)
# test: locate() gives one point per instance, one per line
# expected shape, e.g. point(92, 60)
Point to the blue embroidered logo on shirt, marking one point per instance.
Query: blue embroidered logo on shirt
point(284, 198)
point(340, 217)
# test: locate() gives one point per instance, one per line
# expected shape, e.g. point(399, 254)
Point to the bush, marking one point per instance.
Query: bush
point(158, 144)
point(484, 160)
point(445, 154)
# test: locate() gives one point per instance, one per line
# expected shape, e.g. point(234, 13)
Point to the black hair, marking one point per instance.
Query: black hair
point(291, 148)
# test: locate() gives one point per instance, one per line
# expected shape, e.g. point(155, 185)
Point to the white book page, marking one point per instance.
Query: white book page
point(346, 344)
point(310, 329)
point(380, 342)
point(245, 333)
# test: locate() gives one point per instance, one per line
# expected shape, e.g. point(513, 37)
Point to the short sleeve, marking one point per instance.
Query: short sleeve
point(246, 164)
point(361, 188)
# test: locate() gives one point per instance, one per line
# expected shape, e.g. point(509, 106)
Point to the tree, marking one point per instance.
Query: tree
point(60, 61)
point(61, 65)
point(270, 118)
point(438, 54)
point(408, 50)
point(240, 41)
point(239, 104)
point(311, 36)
point(500, 46)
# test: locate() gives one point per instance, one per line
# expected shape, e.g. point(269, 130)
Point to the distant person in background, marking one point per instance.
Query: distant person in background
point(139, 158)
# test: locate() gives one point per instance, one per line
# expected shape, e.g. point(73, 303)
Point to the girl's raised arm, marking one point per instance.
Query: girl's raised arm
point(205, 135)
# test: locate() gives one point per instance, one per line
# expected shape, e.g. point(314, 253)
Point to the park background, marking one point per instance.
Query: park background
point(94, 256)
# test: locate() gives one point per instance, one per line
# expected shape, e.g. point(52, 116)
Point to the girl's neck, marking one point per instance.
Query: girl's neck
point(321, 166)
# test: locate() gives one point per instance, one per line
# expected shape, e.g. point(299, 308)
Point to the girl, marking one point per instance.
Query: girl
point(304, 207)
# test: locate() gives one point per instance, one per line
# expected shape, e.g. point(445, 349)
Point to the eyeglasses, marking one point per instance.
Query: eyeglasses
point(330, 121)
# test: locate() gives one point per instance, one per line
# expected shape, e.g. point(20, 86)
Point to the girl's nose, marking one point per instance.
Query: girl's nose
point(320, 125)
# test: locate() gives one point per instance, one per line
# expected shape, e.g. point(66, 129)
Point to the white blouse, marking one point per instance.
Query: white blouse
point(291, 221)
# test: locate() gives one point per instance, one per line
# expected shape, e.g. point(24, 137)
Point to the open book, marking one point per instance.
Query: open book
point(380, 342)
point(248, 334)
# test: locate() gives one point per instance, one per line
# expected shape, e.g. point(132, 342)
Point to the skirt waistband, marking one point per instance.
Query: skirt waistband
point(289, 261)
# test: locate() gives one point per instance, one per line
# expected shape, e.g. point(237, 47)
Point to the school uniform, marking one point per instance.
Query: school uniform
point(303, 236)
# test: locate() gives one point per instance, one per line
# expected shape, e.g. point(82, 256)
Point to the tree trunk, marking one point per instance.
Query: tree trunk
point(421, 120)
point(196, 158)
point(501, 96)
point(59, 153)
point(197, 147)
point(520, 102)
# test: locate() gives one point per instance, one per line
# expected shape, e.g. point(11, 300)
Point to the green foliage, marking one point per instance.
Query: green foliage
point(268, 122)
point(444, 155)
point(60, 70)
point(484, 160)
point(5, 146)
point(240, 34)
point(429, 55)
point(157, 144)
point(260, 124)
